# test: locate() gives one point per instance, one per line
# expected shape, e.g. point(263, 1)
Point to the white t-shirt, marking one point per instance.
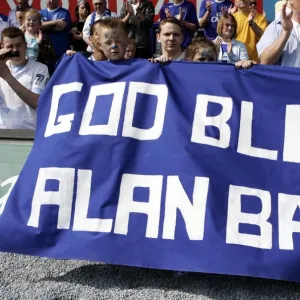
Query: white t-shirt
point(15, 113)
point(87, 27)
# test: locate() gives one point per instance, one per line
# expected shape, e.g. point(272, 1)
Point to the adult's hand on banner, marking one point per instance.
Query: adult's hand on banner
point(160, 59)
point(70, 52)
point(245, 64)
point(286, 19)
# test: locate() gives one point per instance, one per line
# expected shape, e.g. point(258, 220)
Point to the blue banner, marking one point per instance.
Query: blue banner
point(183, 166)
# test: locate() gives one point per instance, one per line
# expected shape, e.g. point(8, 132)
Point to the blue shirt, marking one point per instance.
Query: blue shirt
point(188, 14)
point(60, 40)
point(210, 29)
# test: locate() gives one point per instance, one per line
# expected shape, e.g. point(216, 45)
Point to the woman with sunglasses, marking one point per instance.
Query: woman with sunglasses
point(230, 50)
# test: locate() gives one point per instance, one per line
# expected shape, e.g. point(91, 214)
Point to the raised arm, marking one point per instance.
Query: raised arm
point(271, 54)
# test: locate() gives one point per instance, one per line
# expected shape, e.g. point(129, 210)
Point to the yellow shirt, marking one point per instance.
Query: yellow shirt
point(246, 35)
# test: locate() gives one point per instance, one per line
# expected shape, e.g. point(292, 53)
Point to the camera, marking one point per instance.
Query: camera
point(10, 54)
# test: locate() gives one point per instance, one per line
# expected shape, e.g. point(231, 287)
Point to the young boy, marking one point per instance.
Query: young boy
point(130, 50)
point(21, 82)
point(109, 38)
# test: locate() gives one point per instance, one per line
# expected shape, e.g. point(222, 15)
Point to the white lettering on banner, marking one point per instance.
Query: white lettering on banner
point(235, 217)
point(127, 205)
point(287, 206)
point(201, 120)
point(64, 121)
point(12, 181)
point(192, 213)
point(63, 198)
point(117, 89)
point(161, 93)
point(176, 200)
point(81, 221)
point(111, 128)
point(291, 150)
point(245, 135)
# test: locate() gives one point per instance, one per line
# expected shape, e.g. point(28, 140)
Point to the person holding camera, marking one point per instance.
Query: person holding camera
point(21, 82)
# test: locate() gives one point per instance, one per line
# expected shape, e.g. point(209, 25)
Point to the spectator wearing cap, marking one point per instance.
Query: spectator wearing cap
point(100, 12)
point(251, 26)
point(56, 23)
point(82, 10)
point(12, 18)
point(138, 17)
point(280, 43)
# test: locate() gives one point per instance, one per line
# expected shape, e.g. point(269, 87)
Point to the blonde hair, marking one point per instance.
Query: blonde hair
point(33, 12)
point(221, 22)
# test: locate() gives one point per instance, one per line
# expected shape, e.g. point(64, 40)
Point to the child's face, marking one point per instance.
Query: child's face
point(32, 23)
point(20, 17)
point(113, 43)
point(205, 55)
point(130, 52)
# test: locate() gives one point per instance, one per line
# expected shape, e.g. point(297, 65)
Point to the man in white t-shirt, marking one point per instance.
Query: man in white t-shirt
point(21, 82)
point(101, 12)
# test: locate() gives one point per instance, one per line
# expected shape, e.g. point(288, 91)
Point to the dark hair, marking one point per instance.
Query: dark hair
point(12, 33)
point(111, 23)
point(200, 42)
point(171, 20)
point(87, 6)
point(221, 21)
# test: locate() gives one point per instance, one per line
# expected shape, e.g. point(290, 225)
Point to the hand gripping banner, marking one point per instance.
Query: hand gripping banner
point(183, 166)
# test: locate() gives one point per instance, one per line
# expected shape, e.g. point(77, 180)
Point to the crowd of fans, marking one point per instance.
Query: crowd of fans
point(32, 42)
